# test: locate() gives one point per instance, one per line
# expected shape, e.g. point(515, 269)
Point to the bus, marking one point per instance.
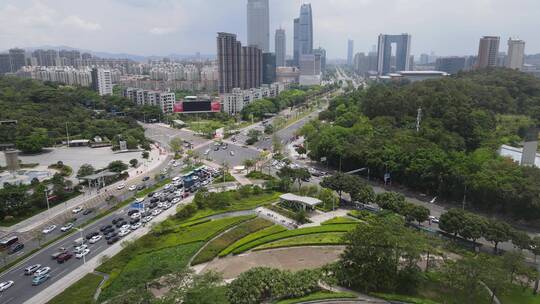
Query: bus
point(7, 242)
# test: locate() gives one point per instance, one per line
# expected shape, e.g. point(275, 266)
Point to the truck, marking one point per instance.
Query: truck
point(60, 251)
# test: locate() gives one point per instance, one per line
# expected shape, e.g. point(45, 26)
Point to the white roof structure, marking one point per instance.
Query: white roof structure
point(305, 200)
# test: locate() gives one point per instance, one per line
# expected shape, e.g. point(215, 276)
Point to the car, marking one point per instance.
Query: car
point(145, 178)
point(167, 186)
point(87, 211)
point(95, 239)
point(49, 229)
point(124, 232)
point(60, 251)
point(77, 210)
point(140, 187)
point(216, 148)
point(15, 248)
point(31, 269)
point(81, 254)
point(152, 205)
point(160, 205)
point(130, 212)
point(111, 235)
point(132, 188)
point(207, 152)
point(113, 240)
point(136, 215)
point(120, 224)
point(185, 194)
point(156, 212)
point(105, 227)
point(91, 235)
point(224, 147)
point(147, 219)
point(116, 220)
point(5, 285)
point(40, 279)
point(66, 227)
point(176, 178)
point(136, 226)
point(80, 248)
point(64, 257)
point(121, 186)
point(124, 227)
point(205, 182)
point(42, 271)
point(434, 219)
point(176, 199)
point(167, 205)
point(231, 152)
point(154, 200)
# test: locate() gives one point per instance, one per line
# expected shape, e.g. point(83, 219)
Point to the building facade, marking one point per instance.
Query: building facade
point(228, 57)
point(516, 54)
point(303, 33)
point(322, 53)
point(450, 65)
point(164, 100)
point(269, 68)
point(234, 102)
point(251, 65)
point(17, 58)
point(258, 24)
point(350, 52)
point(310, 69)
point(102, 81)
point(488, 52)
point(281, 47)
point(384, 53)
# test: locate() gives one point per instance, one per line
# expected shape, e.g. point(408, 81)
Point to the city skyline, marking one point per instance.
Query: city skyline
point(38, 23)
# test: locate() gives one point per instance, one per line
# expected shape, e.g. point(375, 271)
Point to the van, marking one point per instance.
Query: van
point(78, 242)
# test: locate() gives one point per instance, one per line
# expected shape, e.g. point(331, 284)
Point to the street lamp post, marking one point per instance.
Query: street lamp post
point(47, 199)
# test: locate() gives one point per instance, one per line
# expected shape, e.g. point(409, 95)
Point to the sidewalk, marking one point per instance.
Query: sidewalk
point(45, 216)
point(59, 286)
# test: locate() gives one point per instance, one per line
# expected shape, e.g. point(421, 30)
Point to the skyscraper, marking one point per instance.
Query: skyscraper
point(303, 33)
point(488, 51)
point(322, 53)
point(228, 55)
point(269, 68)
point(350, 52)
point(5, 64)
point(17, 58)
point(310, 69)
point(516, 54)
point(258, 24)
point(384, 53)
point(281, 47)
point(250, 67)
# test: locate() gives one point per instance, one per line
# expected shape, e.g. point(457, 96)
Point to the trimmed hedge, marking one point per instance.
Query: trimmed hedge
point(252, 237)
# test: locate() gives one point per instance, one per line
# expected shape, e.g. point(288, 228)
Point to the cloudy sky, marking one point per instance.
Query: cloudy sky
point(161, 27)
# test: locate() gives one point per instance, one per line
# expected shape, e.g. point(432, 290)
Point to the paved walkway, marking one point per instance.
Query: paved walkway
point(89, 199)
point(276, 217)
point(318, 217)
point(60, 285)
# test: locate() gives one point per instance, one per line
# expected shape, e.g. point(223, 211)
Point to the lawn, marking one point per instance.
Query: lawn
point(252, 237)
point(228, 178)
point(293, 233)
point(318, 239)
point(214, 247)
point(340, 220)
point(402, 298)
point(82, 292)
point(247, 203)
point(258, 175)
point(517, 295)
point(319, 295)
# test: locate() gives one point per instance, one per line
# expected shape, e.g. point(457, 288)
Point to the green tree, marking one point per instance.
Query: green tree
point(117, 166)
point(497, 232)
point(521, 239)
point(249, 163)
point(145, 155)
point(329, 200)
point(134, 162)
point(452, 221)
point(301, 150)
point(474, 227)
point(175, 144)
point(35, 142)
point(338, 182)
point(85, 170)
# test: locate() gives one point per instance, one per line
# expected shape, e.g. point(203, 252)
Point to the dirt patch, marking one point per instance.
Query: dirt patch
point(296, 258)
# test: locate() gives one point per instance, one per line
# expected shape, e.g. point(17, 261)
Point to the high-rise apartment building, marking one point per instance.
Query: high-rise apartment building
point(5, 63)
point(450, 65)
point(46, 58)
point(350, 52)
point(384, 53)
point(310, 69)
point(250, 67)
point(281, 47)
point(238, 67)
point(102, 81)
point(322, 53)
point(269, 68)
point(17, 58)
point(488, 52)
point(516, 54)
point(303, 33)
point(258, 24)
point(228, 53)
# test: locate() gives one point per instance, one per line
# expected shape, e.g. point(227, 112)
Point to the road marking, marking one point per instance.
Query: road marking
point(61, 272)
point(9, 300)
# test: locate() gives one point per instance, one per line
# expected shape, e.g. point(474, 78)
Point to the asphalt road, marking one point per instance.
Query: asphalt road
point(224, 155)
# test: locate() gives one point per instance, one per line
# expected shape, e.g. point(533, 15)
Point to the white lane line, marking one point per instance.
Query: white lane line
point(60, 273)
point(9, 300)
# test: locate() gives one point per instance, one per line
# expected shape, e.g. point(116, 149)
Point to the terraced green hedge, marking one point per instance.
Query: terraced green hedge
point(214, 247)
point(317, 239)
point(340, 220)
point(292, 233)
point(252, 237)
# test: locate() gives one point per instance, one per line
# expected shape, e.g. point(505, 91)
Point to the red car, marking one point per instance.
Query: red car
point(64, 257)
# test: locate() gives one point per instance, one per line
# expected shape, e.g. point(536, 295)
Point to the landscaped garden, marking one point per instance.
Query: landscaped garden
point(81, 292)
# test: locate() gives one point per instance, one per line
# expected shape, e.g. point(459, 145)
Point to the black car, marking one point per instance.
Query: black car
point(134, 221)
point(113, 240)
point(154, 200)
point(116, 220)
point(111, 235)
point(87, 212)
point(91, 235)
point(105, 227)
point(15, 248)
point(120, 224)
point(151, 194)
point(162, 198)
point(152, 205)
point(132, 211)
point(145, 178)
point(140, 187)
point(108, 230)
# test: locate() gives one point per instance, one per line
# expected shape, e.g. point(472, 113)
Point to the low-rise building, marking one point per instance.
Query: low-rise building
point(234, 102)
point(164, 100)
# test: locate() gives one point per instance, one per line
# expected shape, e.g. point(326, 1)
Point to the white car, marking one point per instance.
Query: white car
point(95, 239)
point(205, 182)
point(160, 204)
point(42, 271)
point(80, 248)
point(176, 164)
point(82, 253)
point(147, 219)
point(124, 232)
point(176, 178)
point(176, 199)
point(433, 219)
point(48, 229)
point(139, 199)
point(132, 188)
point(167, 186)
point(125, 227)
point(167, 205)
point(77, 210)
point(156, 212)
point(5, 285)
point(31, 269)
point(136, 215)
point(66, 227)
point(121, 186)
point(136, 226)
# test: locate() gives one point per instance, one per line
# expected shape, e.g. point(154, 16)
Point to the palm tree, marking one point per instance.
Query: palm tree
point(249, 163)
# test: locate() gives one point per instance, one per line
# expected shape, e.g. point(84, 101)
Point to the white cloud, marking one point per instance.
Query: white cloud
point(161, 30)
point(78, 22)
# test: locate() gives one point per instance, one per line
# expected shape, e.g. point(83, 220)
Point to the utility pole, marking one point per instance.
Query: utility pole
point(418, 119)
point(464, 198)
point(67, 134)
point(47, 199)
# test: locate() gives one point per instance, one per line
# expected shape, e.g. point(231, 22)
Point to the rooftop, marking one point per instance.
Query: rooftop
point(306, 200)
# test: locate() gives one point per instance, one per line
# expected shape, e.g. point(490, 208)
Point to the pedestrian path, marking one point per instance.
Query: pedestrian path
point(318, 217)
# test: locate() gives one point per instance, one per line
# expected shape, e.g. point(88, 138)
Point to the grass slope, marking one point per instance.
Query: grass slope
point(318, 239)
point(252, 237)
point(82, 292)
point(319, 295)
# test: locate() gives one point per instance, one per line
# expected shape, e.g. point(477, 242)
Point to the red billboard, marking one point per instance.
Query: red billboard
point(197, 106)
